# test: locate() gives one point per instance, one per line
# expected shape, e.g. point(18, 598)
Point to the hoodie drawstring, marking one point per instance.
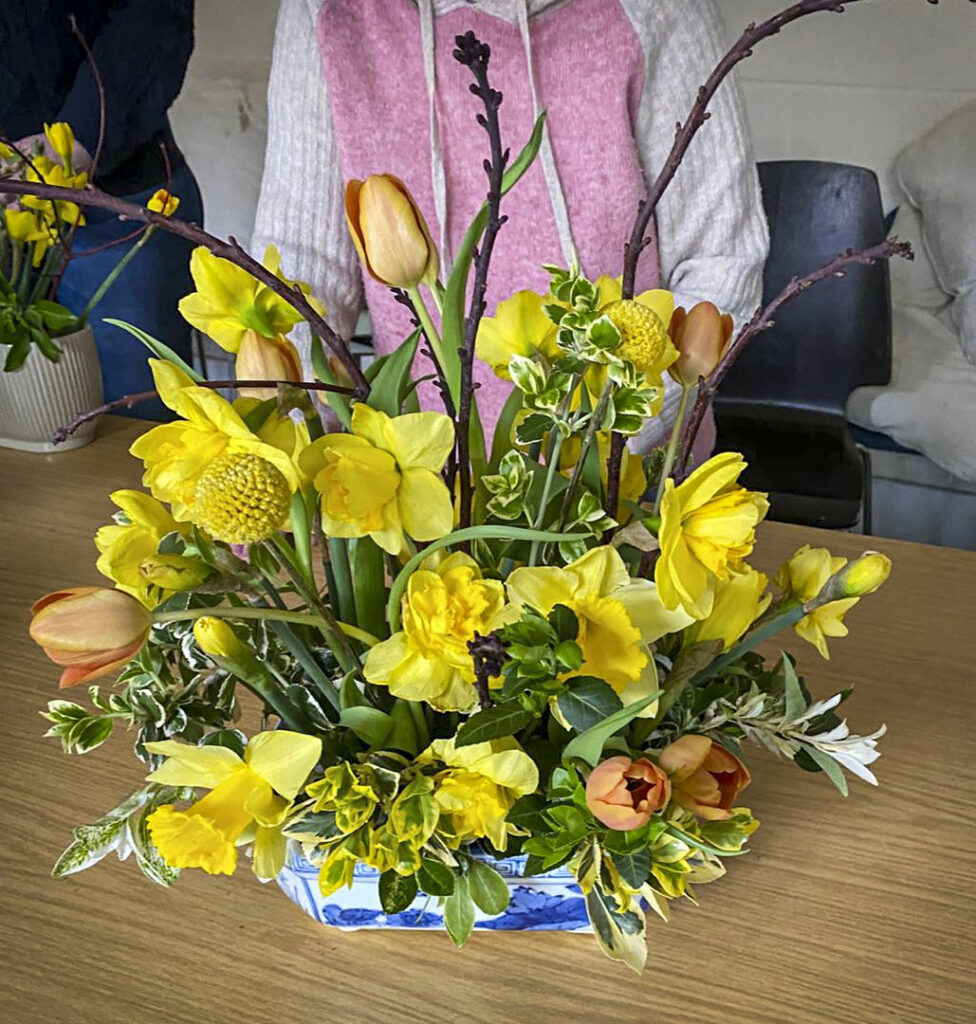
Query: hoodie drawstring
point(557, 198)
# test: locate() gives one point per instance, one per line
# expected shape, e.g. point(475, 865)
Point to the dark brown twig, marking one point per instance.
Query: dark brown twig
point(762, 320)
point(128, 401)
point(475, 55)
point(229, 250)
point(488, 655)
point(99, 89)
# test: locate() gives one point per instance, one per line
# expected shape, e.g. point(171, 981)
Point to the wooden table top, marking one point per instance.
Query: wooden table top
point(846, 911)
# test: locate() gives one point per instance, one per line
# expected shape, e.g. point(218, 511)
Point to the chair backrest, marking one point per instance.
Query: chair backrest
point(837, 335)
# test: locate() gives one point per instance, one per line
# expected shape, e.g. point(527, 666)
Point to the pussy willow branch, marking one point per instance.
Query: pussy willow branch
point(230, 250)
point(128, 401)
point(762, 320)
point(475, 55)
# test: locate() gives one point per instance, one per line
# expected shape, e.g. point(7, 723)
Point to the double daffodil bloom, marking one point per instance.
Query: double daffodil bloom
point(619, 617)
point(129, 552)
point(248, 800)
point(229, 301)
point(708, 525)
point(383, 479)
point(210, 467)
point(739, 601)
point(446, 603)
point(477, 787)
point(802, 578)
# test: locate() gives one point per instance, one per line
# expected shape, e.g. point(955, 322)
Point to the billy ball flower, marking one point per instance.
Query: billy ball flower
point(89, 631)
point(644, 340)
point(241, 499)
point(623, 794)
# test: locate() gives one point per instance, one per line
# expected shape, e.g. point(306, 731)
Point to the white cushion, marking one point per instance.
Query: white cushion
point(914, 282)
point(938, 174)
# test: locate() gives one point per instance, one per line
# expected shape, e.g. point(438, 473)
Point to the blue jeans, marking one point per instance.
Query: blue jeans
point(146, 294)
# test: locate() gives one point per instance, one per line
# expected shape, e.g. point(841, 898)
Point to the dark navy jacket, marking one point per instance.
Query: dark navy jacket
point(141, 49)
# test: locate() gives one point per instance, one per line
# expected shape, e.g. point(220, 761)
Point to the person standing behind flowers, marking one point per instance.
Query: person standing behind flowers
point(141, 49)
point(368, 86)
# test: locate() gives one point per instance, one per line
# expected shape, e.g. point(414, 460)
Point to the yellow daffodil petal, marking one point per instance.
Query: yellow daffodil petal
point(643, 604)
point(519, 327)
point(187, 765)
point(270, 847)
point(600, 571)
point(283, 759)
point(541, 587)
point(420, 440)
point(425, 505)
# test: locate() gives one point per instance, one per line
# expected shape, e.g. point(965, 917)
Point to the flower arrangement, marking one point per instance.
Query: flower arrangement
point(456, 642)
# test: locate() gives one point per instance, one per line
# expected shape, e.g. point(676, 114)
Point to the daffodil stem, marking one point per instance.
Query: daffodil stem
point(671, 451)
point(115, 272)
point(269, 614)
point(591, 429)
point(552, 467)
point(427, 324)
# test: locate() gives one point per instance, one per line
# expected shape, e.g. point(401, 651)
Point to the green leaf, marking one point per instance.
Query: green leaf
point(369, 585)
point(371, 725)
point(16, 354)
point(795, 702)
point(91, 844)
point(57, 318)
point(93, 735)
point(527, 813)
point(830, 767)
point(403, 734)
point(493, 723)
point(589, 745)
point(388, 388)
point(459, 912)
point(633, 866)
point(397, 892)
point(620, 935)
point(158, 348)
point(435, 878)
point(587, 702)
point(501, 442)
point(350, 695)
point(564, 621)
point(488, 888)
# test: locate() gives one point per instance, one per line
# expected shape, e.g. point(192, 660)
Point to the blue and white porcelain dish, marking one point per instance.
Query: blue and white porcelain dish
point(547, 902)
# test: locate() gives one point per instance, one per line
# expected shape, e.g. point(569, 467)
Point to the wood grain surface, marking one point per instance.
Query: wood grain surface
point(857, 911)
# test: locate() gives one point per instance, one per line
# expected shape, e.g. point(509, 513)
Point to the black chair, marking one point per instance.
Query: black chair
point(783, 403)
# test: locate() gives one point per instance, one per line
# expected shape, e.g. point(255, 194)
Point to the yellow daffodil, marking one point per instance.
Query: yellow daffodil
point(477, 787)
point(446, 603)
point(519, 327)
point(210, 467)
point(708, 525)
point(739, 601)
point(129, 552)
point(229, 301)
point(619, 617)
point(163, 202)
point(248, 800)
point(383, 479)
point(801, 579)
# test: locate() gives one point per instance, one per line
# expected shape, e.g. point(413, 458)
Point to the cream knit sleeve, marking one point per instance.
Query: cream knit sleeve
point(712, 234)
point(301, 207)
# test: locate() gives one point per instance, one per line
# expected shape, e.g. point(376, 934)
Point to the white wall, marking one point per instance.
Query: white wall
point(856, 87)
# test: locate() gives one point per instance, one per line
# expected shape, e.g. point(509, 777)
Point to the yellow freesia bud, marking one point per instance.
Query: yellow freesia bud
point(6, 153)
point(701, 337)
point(62, 140)
point(261, 358)
point(163, 202)
point(89, 630)
point(390, 232)
point(22, 225)
point(863, 576)
point(217, 638)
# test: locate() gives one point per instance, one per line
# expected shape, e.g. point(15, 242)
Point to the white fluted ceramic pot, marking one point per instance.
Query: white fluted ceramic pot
point(40, 396)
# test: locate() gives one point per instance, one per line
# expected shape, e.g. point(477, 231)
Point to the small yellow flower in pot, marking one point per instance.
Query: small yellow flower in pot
point(164, 202)
point(390, 233)
point(701, 336)
point(89, 631)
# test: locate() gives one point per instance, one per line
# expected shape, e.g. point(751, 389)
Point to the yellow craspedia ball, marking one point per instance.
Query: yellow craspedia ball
point(241, 499)
point(644, 338)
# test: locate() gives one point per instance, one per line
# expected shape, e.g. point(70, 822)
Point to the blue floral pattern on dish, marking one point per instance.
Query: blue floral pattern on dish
point(547, 902)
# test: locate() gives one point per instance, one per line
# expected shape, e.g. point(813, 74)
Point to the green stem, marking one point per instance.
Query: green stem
point(302, 535)
point(433, 336)
point(591, 429)
point(552, 467)
point(672, 449)
point(344, 596)
point(268, 614)
point(114, 273)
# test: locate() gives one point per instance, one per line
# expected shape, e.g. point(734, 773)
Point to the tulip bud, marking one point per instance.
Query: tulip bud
point(390, 232)
point(862, 576)
point(623, 794)
point(89, 630)
point(701, 338)
point(260, 358)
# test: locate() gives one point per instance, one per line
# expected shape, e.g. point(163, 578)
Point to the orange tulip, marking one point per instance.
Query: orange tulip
point(390, 232)
point(623, 794)
point(701, 338)
point(705, 777)
point(260, 358)
point(89, 630)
